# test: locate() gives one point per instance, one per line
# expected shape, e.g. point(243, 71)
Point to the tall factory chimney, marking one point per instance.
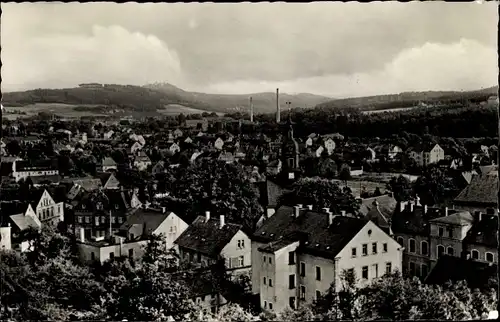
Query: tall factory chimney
point(251, 110)
point(278, 105)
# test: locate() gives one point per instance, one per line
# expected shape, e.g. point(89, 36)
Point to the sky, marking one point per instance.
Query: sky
point(333, 49)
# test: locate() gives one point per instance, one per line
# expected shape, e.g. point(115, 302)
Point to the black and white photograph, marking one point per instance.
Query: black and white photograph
point(322, 161)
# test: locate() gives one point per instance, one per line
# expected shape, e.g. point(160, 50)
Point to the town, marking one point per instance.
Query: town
point(285, 220)
point(208, 162)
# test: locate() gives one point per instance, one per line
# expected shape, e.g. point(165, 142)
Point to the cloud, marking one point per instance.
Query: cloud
point(107, 55)
point(466, 64)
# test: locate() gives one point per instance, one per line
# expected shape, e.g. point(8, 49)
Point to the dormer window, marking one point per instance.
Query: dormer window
point(99, 206)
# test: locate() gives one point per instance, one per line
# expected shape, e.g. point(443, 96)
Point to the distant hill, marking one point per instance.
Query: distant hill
point(156, 97)
point(262, 102)
point(409, 99)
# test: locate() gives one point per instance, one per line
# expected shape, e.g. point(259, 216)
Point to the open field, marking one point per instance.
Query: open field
point(56, 108)
point(357, 186)
point(174, 109)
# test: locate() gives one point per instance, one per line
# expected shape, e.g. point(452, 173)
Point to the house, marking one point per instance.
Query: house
point(379, 210)
point(102, 212)
point(22, 169)
point(219, 143)
point(372, 154)
point(178, 133)
point(319, 151)
point(173, 148)
point(227, 157)
point(298, 253)
point(480, 195)
point(204, 294)
point(158, 168)
point(197, 124)
point(309, 141)
point(329, 144)
point(18, 217)
point(39, 181)
point(142, 161)
point(154, 221)
point(188, 140)
point(108, 164)
point(207, 240)
point(425, 155)
point(427, 234)
point(481, 242)
point(108, 135)
point(269, 194)
point(135, 148)
point(108, 180)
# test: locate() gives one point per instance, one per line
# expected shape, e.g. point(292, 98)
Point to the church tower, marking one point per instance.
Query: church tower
point(290, 153)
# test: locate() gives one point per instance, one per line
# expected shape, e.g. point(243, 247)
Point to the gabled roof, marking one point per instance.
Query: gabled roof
point(312, 229)
point(108, 162)
point(481, 190)
point(386, 204)
point(48, 179)
point(416, 222)
point(144, 221)
point(484, 232)
point(207, 237)
point(460, 218)
point(450, 268)
point(24, 222)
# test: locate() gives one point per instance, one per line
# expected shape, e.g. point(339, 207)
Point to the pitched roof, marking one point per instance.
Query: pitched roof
point(386, 204)
point(24, 222)
point(207, 237)
point(484, 232)
point(460, 218)
point(414, 222)
point(108, 162)
point(450, 268)
point(144, 221)
point(48, 179)
point(481, 190)
point(311, 228)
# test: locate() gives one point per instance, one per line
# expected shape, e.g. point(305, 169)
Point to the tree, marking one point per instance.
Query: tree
point(401, 188)
point(327, 168)
point(321, 193)
point(434, 187)
point(13, 148)
point(345, 174)
point(211, 185)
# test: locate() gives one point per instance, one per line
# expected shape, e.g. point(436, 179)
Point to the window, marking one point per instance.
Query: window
point(385, 247)
point(475, 254)
point(424, 248)
point(364, 272)
point(489, 257)
point(241, 243)
point(450, 251)
point(412, 268)
point(318, 273)
point(132, 236)
point(302, 292)
point(198, 257)
point(450, 232)
point(318, 295)
point(440, 250)
point(87, 219)
point(265, 304)
point(241, 261)
point(112, 255)
point(270, 305)
point(103, 219)
point(375, 270)
point(401, 240)
point(291, 258)
point(441, 232)
point(80, 219)
point(270, 260)
point(265, 259)
point(423, 270)
point(265, 280)
point(365, 249)
point(92, 256)
point(114, 220)
point(353, 252)
point(96, 220)
point(374, 248)
point(291, 281)
point(291, 301)
point(412, 245)
point(270, 282)
point(388, 268)
point(350, 272)
point(302, 269)
point(131, 253)
point(120, 220)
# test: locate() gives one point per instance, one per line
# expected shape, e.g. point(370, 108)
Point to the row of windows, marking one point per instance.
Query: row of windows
point(235, 262)
point(422, 272)
point(270, 305)
point(489, 257)
point(88, 219)
point(364, 249)
point(412, 246)
point(365, 271)
point(269, 259)
point(112, 254)
point(241, 243)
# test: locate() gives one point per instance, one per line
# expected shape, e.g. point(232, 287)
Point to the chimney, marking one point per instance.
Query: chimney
point(278, 120)
point(82, 235)
point(425, 209)
point(222, 223)
point(310, 207)
point(296, 212)
point(446, 211)
point(417, 202)
point(207, 215)
point(251, 110)
point(326, 210)
point(330, 218)
point(402, 205)
point(411, 206)
point(163, 209)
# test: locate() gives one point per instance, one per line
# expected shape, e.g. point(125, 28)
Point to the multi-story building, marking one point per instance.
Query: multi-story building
point(207, 240)
point(427, 154)
point(481, 242)
point(480, 195)
point(298, 253)
point(23, 169)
